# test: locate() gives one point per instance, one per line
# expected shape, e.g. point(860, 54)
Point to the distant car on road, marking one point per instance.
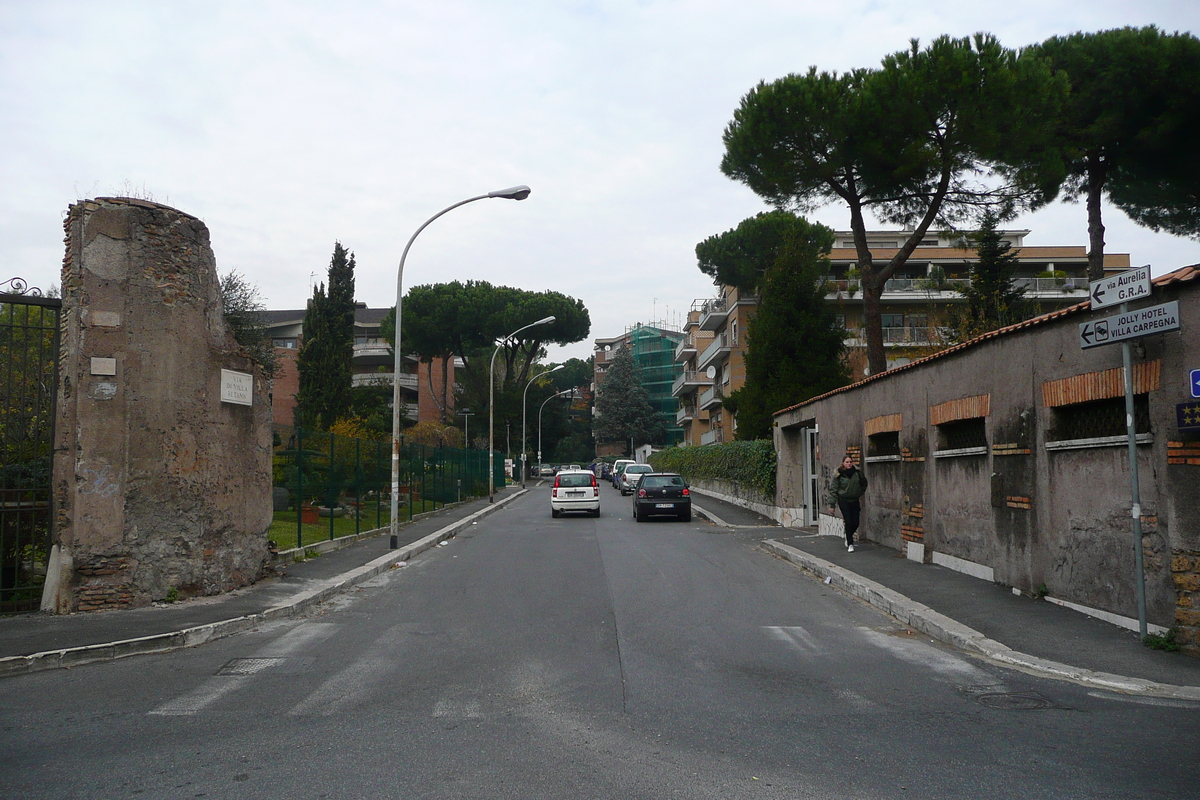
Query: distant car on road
point(546, 471)
point(575, 490)
point(662, 493)
point(619, 465)
point(631, 475)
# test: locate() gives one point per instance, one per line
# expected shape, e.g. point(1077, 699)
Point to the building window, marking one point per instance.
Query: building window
point(962, 437)
point(1098, 419)
point(892, 320)
point(289, 344)
point(883, 446)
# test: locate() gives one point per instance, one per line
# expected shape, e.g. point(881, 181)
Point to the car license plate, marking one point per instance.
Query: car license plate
point(574, 494)
point(664, 505)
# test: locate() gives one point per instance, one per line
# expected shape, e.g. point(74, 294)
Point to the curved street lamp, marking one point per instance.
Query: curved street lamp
point(492, 402)
point(524, 397)
point(513, 193)
point(543, 405)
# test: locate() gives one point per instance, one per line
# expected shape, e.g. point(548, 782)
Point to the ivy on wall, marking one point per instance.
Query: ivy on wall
point(748, 464)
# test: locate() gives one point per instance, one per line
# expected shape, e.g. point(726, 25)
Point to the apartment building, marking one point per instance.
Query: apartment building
point(654, 349)
point(915, 303)
point(372, 365)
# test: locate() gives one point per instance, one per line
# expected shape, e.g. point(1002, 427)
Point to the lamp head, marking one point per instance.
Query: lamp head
point(544, 321)
point(512, 193)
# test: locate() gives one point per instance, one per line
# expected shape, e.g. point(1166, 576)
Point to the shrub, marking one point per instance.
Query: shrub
point(751, 464)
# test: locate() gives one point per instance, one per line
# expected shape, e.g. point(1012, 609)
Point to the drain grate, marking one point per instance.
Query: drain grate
point(1015, 701)
point(248, 666)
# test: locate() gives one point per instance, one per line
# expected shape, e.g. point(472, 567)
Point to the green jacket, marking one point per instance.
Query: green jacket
point(847, 486)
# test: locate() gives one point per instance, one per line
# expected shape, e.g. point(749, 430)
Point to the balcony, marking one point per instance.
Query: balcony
point(408, 380)
point(710, 398)
point(685, 349)
point(689, 381)
point(897, 337)
point(1041, 288)
point(712, 314)
point(715, 436)
point(718, 351)
point(685, 414)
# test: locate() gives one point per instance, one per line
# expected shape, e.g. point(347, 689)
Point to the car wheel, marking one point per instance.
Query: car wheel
point(596, 513)
point(685, 516)
point(637, 517)
point(554, 512)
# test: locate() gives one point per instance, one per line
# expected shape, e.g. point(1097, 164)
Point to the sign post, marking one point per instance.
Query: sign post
point(1119, 289)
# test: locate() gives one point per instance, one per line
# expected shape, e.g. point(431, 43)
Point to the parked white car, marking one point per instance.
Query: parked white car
point(575, 490)
point(631, 475)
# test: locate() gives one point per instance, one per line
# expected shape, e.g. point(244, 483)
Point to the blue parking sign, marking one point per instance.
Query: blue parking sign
point(1195, 382)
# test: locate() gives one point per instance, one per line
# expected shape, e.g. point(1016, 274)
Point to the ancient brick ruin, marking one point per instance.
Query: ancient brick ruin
point(162, 470)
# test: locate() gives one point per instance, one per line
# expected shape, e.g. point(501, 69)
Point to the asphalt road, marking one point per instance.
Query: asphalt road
point(584, 658)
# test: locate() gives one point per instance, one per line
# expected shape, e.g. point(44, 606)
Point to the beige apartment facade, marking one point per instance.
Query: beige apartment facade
point(916, 302)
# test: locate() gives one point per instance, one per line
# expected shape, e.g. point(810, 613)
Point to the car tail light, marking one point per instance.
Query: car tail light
point(686, 492)
point(555, 481)
point(594, 484)
point(641, 492)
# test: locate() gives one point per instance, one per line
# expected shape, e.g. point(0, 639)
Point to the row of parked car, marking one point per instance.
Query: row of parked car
point(654, 493)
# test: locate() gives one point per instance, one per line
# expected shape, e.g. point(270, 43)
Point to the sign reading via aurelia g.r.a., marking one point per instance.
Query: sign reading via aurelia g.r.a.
point(1188, 415)
point(1130, 325)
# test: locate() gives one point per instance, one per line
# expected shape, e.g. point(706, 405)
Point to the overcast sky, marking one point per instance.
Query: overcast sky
point(287, 126)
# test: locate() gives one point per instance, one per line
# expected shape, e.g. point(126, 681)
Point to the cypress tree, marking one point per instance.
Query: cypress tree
point(324, 359)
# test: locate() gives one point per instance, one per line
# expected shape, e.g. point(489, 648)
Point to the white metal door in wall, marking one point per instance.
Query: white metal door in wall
point(811, 476)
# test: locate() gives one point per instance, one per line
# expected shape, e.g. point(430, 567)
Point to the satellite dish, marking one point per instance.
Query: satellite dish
point(711, 372)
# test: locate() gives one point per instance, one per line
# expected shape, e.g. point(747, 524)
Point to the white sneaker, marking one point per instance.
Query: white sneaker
point(849, 548)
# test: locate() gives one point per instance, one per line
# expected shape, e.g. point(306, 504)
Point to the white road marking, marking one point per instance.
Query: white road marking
point(219, 686)
point(795, 637)
point(1146, 701)
point(932, 658)
point(350, 687)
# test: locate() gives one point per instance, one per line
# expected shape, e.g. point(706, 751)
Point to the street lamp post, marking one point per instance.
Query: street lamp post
point(492, 402)
point(543, 405)
point(514, 193)
point(524, 439)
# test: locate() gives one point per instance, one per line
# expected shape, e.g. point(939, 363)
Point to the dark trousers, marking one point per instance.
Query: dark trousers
point(850, 513)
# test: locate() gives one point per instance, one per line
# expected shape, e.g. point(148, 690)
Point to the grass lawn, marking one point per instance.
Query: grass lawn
point(283, 527)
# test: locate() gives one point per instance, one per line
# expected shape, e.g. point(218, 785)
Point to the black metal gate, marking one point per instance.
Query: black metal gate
point(28, 385)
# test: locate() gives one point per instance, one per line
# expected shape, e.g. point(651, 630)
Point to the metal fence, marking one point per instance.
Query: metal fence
point(327, 485)
point(28, 384)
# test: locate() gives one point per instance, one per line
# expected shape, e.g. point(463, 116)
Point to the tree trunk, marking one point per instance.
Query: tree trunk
point(444, 405)
point(872, 289)
point(1096, 176)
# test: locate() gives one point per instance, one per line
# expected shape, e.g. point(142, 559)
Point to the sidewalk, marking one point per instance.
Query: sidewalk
point(974, 614)
point(32, 642)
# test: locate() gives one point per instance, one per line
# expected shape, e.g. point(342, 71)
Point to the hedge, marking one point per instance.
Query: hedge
point(748, 464)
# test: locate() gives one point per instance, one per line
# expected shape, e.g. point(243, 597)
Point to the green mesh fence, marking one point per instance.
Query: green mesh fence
point(327, 486)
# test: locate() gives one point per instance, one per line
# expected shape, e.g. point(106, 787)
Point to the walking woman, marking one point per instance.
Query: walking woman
point(845, 491)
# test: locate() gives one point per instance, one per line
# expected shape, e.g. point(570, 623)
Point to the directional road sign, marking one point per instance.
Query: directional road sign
point(1130, 325)
point(1194, 379)
point(1116, 289)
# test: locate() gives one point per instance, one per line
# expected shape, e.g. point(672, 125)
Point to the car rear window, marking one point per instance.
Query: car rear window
point(575, 480)
point(633, 469)
point(660, 481)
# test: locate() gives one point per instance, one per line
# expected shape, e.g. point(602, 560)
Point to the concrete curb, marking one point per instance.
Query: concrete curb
point(710, 516)
point(937, 625)
point(190, 637)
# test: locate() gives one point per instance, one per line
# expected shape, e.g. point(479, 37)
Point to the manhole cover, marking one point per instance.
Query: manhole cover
point(249, 666)
point(1025, 701)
